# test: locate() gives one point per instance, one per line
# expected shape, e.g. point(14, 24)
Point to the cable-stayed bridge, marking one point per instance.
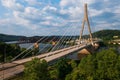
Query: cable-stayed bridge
point(17, 66)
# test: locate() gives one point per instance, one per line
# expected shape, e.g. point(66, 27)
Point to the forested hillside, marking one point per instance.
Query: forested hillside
point(5, 37)
point(107, 34)
point(103, 34)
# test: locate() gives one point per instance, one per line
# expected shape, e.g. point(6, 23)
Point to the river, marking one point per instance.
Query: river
point(42, 46)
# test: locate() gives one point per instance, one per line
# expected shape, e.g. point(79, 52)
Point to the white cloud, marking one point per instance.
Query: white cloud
point(66, 3)
point(32, 12)
point(75, 8)
point(49, 18)
point(116, 9)
point(8, 3)
point(46, 23)
point(94, 12)
point(22, 20)
point(34, 17)
point(12, 4)
point(49, 9)
point(101, 25)
point(75, 12)
point(33, 2)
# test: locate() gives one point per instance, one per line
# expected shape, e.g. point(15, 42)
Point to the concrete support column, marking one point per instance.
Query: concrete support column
point(85, 19)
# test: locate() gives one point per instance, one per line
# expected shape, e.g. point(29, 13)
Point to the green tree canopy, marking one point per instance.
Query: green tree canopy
point(104, 65)
point(36, 70)
point(63, 68)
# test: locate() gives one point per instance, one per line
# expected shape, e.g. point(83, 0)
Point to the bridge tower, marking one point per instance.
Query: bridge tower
point(85, 19)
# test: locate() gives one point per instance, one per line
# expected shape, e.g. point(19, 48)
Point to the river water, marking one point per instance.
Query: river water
point(42, 46)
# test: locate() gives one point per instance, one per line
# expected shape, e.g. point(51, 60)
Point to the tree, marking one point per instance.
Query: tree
point(73, 64)
point(54, 74)
point(107, 61)
point(36, 70)
point(104, 65)
point(63, 68)
point(8, 51)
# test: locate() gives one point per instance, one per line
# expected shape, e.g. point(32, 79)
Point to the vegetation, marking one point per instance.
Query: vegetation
point(107, 34)
point(104, 65)
point(103, 34)
point(36, 70)
point(9, 51)
point(60, 69)
point(5, 38)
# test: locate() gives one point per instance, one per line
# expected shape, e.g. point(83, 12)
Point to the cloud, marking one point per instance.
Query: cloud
point(49, 8)
point(35, 17)
point(67, 3)
point(75, 8)
point(33, 2)
point(12, 4)
point(95, 12)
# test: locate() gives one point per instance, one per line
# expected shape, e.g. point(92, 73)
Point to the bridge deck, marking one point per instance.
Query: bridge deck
point(51, 55)
point(11, 71)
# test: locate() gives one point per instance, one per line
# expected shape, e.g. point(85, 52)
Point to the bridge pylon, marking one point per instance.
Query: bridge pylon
point(85, 19)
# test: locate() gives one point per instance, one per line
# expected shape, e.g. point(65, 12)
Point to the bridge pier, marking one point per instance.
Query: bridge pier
point(77, 55)
point(88, 50)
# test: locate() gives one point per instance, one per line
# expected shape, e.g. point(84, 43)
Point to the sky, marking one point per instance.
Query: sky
point(56, 17)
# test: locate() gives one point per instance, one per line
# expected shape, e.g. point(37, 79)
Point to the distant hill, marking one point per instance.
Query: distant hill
point(6, 38)
point(103, 34)
point(107, 34)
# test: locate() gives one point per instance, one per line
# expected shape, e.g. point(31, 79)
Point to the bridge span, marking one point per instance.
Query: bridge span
point(15, 67)
point(53, 55)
